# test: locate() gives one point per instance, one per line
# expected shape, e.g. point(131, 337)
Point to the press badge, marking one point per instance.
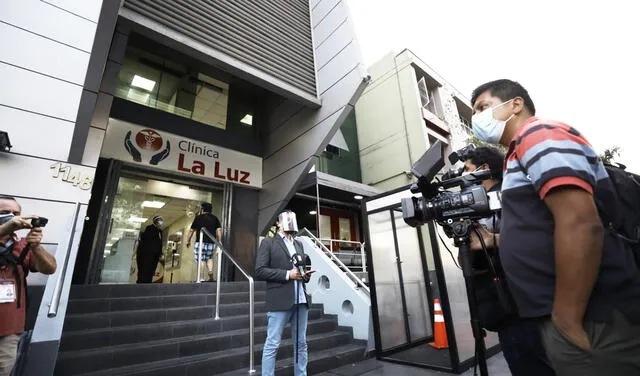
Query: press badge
point(7, 292)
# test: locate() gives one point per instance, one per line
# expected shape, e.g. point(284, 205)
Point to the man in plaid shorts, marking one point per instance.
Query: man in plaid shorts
point(209, 221)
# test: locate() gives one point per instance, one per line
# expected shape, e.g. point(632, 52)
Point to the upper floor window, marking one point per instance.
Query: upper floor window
point(176, 85)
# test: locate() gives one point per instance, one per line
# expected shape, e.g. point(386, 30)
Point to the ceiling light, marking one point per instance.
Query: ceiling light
point(357, 197)
point(115, 238)
point(152, 204)
point(247, 119)
point(179, 233)
point(143, 83)
point(137, 220)
point(108, 245)
point(313, 212)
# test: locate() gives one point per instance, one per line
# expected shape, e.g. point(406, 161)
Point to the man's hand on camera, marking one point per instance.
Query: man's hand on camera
point(487, 236)
point(19, 223)
point(35, 236)
point(294, 274)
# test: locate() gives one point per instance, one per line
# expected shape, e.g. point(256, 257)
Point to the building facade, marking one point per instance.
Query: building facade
point(406, 108)
point(130, 109)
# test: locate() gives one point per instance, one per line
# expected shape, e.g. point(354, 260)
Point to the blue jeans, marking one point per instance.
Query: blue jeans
point(523, 349)
point(275, 327)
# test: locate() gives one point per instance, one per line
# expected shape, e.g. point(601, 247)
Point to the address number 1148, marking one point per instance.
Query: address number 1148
point(69, 175)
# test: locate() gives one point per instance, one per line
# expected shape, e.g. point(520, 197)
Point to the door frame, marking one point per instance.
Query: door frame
point(96, 229)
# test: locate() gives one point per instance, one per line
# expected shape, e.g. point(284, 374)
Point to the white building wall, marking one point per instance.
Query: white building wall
point(390, 125)
point(392, 132)
point(45, 49)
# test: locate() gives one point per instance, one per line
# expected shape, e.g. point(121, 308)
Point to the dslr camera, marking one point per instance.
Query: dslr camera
point(454, 197)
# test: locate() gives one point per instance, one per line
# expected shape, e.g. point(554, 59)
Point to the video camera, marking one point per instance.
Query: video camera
point(438, 203)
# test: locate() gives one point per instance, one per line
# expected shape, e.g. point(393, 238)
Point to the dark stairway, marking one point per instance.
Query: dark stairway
point(169, 330)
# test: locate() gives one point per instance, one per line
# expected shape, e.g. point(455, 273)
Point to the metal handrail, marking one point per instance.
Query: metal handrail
point(221, 251)
point(363, 256)
point(57, 291)
point(330, 254)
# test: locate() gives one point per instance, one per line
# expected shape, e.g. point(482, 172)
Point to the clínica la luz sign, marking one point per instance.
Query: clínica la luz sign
point(149, 147)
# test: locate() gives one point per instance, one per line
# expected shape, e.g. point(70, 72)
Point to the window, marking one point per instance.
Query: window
point(424, 93)
point(176, 86)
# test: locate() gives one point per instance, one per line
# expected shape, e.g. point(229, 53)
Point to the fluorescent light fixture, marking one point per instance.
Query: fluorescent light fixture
point(137, 219)
point(357, 197)
point(138, 96)
point(130, 230)
point(143, 83)
point(152, 204)
point(115, 238)
point(313, 212)
point(108, 245)
point(179, 233)
point(247, 119)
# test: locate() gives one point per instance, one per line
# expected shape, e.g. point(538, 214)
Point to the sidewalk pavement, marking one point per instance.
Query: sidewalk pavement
point(373, 367)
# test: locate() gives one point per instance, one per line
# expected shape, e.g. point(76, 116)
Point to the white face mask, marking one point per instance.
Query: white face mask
point(470, 172)
point(486, 127)
point(160, 223)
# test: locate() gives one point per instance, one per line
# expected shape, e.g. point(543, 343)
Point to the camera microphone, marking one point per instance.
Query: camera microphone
point(298, 262)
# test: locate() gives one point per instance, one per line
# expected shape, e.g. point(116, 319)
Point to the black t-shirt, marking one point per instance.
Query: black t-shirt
point(546, 155)
point(208, 221)
point(150, 241)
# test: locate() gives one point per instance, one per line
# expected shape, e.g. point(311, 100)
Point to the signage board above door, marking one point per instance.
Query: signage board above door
point(170, 152)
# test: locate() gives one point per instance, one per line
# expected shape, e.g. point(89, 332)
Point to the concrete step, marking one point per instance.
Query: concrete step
point(222, 361)
point(114, 304)
point(157, 289)
point(123, 355)
point(318, 362)
point(112, 336)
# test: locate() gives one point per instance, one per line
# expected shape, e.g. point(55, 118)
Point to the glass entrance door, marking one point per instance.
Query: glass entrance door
point(137, 201)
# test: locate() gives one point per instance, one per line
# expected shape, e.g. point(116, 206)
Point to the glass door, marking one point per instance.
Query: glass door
point(137, 201)
point(400, 278)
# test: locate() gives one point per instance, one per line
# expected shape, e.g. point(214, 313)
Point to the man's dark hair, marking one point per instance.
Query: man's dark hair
point(494, 158)
point(505, 90)
point(9, 198)
point(206, 207)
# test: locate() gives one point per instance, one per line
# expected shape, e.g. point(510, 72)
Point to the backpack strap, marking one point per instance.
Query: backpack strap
point(25, 271)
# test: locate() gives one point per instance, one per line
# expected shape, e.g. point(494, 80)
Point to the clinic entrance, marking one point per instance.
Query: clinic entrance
point(125, 205)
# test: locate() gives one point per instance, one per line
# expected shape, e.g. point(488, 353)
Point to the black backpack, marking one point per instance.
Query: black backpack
point(627, 222)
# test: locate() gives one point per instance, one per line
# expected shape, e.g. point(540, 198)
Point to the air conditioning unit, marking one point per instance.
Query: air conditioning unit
point(424, 92)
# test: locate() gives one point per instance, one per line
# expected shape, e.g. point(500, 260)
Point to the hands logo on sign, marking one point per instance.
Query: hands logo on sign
point(147, 140)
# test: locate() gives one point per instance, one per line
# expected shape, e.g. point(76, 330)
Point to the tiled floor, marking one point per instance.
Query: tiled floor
point(372, 367)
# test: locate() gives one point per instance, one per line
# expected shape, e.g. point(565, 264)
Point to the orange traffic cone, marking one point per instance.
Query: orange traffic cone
point(439, 328)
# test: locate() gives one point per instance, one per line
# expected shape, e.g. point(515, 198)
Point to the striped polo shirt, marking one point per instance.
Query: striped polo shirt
point(545, 155)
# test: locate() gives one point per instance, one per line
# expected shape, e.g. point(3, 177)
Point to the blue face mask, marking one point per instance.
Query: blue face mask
point(486, 127)
point(4, 218)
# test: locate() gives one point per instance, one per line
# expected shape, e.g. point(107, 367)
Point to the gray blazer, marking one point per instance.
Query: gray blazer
point(272, 264)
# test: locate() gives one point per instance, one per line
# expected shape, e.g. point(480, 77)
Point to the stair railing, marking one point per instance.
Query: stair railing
point(341, 265)
point(220, 251)
point(57, 290)
point(360, 246)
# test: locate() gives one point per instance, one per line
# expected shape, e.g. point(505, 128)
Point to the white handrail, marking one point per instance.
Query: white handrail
point(348, 272)
point(363, 256)
point(220, 251)
point(57, 290)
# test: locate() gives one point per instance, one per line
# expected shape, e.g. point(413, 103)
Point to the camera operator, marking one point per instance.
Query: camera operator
point(13, 274)
point(579, 281)
point(519, 338)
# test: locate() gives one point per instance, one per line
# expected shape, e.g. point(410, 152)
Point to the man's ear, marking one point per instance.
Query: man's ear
point(517, 105)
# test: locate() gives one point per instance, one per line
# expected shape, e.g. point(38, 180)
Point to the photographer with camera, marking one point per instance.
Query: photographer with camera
point(17, 258)
point(519, 338)
point(576, 279)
